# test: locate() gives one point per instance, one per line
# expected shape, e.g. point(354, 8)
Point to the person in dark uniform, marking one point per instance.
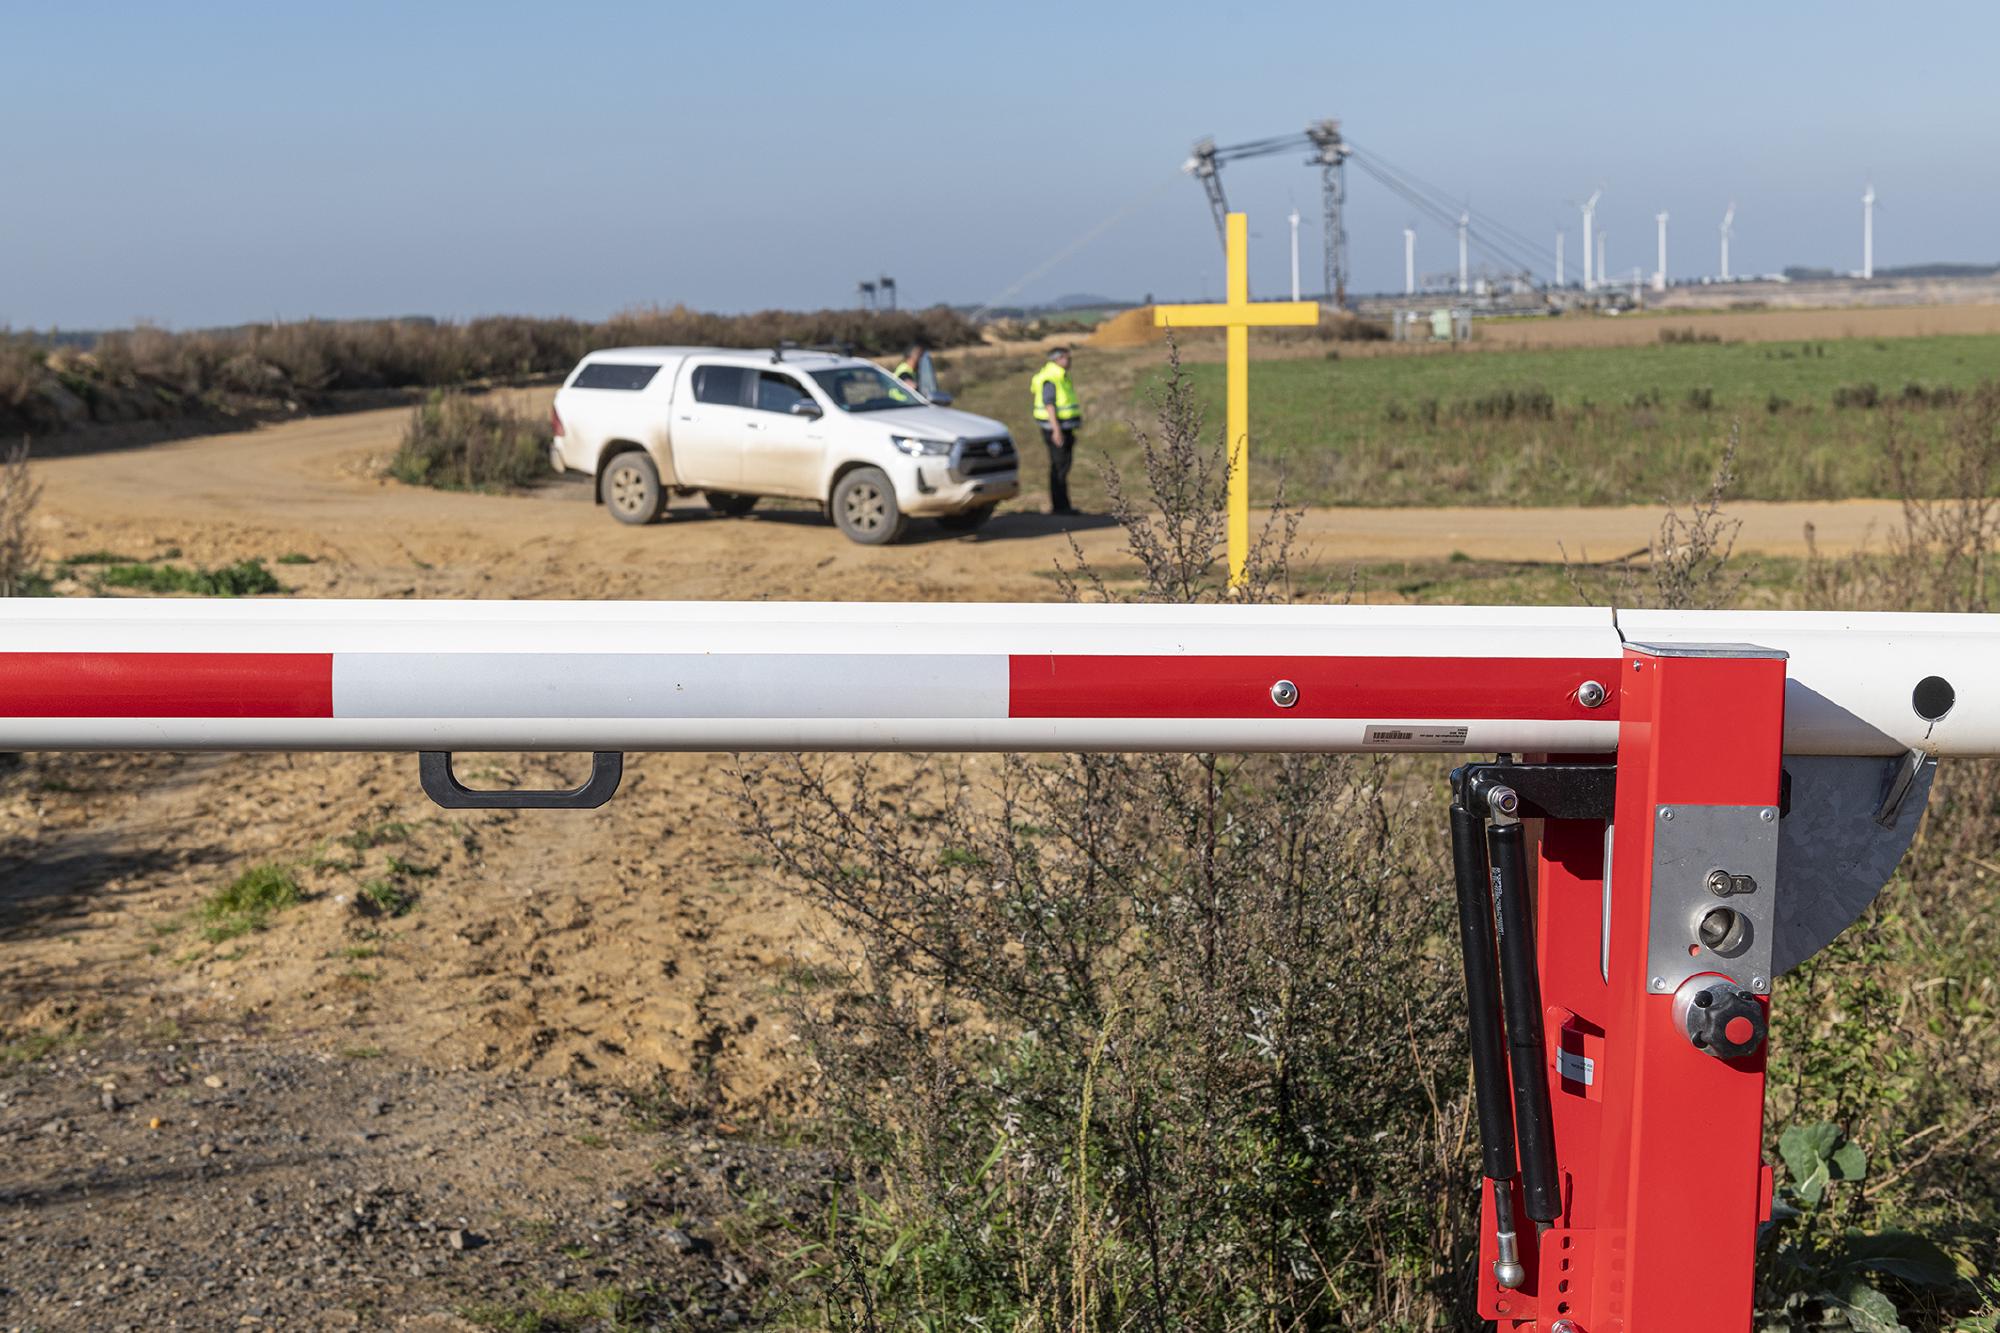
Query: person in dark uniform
point(1059, 415)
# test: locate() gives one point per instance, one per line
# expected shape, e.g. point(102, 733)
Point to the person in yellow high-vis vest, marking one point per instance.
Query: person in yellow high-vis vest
point(1059, 415)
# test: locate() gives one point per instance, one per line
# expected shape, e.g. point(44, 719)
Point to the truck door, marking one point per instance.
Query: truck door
point(787, 438)
point(710, 425)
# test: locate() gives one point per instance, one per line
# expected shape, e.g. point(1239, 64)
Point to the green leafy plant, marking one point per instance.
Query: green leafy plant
point(245, 578)
point(387, 898)
point(248, 902)
point(1819, 1270)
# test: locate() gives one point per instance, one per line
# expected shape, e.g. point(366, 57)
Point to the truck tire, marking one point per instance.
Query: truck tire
point(632, 490)
point(729, 504)
point(967, 520)
point(864, 507)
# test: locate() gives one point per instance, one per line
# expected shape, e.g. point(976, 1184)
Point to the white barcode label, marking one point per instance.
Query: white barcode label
point(1415, 737)
point(1575, 1067)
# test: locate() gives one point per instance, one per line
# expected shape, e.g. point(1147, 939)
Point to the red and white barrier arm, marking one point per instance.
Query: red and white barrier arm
point(395, 675)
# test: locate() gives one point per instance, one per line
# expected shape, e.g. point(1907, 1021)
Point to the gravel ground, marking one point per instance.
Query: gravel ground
point(232, 1185)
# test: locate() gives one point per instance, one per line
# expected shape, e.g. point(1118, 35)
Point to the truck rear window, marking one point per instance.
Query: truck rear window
point(614, 375)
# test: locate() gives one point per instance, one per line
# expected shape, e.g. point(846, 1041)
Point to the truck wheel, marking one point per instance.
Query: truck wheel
point(864, 507)
point(967, 520)
point(632, 488)
point(729, 504)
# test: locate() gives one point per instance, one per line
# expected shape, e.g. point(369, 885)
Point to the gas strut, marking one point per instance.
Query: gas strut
point(1482, 1008)
point(1521, 999)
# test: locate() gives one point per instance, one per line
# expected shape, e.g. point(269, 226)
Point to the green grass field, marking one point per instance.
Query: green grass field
point(1612, 425)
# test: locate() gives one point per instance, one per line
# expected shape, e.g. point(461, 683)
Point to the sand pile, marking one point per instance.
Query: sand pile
point(1132, 328)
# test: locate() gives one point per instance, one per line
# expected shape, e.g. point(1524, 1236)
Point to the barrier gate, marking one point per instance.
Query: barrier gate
point(1668, 811)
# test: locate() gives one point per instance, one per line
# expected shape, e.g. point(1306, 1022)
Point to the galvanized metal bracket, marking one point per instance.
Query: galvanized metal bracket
point(1851, 820)
point(1696, 929)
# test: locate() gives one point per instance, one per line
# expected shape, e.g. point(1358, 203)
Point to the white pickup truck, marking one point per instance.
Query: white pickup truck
point(805, 425)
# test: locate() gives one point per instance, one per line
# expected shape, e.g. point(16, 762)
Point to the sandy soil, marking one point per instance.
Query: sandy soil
point(236, 1183)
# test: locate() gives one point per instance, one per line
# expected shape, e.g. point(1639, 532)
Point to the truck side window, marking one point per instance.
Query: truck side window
point(719, 384)
point(776, 392)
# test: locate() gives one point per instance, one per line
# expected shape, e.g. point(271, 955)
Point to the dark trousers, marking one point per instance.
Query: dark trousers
point(1060, 456)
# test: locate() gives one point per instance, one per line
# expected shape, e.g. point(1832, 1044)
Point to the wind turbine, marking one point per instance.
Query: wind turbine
point(1589, 207)
point(1409, 261)
point(1603, 273)
point(1728, 230)
point(1868, 232)
point(1293, 218)
point(1559, 258)
point(1660, 274)
point(1464, 221)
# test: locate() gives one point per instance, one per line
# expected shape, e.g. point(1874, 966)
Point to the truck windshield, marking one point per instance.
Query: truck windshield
point(864, 389)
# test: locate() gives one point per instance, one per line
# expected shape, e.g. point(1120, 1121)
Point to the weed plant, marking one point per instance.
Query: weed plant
point(20, 549)
point(460, 443)
point(245, 578)
point(1160, 1042)
point(248, 902)
point(1134, 1041)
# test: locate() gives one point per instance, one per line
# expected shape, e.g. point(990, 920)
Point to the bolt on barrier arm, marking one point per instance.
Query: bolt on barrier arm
point(1677, 808)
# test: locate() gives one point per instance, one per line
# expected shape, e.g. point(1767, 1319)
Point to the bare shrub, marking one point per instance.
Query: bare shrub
point(305, 358)
point(1687, 566)
point(1116, 1048)
point(458, 442)
point(1175, 529)
point(1942, 558)
point(20, 549)
point(20, 369)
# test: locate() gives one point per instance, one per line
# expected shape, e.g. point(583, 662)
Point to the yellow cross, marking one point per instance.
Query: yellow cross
point(1238, 314)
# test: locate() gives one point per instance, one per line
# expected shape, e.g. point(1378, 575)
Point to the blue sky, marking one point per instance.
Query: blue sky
point(211, 163)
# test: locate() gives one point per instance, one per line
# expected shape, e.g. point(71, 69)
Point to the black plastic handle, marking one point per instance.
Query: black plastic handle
point(607, 767)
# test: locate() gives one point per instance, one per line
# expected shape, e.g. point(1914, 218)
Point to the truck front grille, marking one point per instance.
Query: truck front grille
point(983, 458)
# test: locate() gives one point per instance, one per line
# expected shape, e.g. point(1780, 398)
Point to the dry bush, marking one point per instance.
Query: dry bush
point(1176, 529)
point(1133, 1041)
point(459, 443)
point(1942, 559)
point(20, 550)
point(1688, 566)
point(21, 361)
point(299, 360)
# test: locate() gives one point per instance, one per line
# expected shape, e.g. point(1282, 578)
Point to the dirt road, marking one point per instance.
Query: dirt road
point(309, 487)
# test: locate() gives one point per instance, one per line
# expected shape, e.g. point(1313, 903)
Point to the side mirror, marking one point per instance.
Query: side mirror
point(941, 399)
point(805, 407)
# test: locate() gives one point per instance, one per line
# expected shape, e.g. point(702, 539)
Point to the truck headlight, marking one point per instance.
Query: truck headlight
point(919, 448)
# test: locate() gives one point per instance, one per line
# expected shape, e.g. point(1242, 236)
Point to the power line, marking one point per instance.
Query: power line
point(1449, 217)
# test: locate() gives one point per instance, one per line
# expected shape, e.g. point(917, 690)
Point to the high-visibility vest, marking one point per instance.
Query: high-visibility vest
point(904, 371)
point(1067, 408)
